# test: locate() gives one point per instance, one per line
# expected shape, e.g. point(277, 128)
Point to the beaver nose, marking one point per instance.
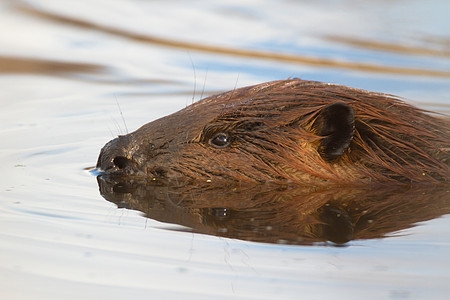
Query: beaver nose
point(116, 156)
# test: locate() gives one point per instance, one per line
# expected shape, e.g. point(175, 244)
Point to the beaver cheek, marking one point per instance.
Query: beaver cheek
point(158, 172)
point(157, 165)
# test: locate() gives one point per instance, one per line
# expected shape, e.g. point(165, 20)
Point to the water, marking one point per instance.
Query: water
point(65, 67)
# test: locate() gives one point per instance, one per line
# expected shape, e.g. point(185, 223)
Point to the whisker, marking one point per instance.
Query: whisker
point(204, 84)
point(121, 114)
point(195, 78)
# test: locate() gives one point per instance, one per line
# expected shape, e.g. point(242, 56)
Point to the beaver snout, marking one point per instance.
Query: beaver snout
point(117, 157)
point(126, 155)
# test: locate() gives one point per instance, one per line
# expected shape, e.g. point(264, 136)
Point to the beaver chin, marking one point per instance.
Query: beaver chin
point(288, 131)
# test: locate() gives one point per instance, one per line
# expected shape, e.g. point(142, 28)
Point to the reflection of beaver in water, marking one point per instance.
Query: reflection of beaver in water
point(281, 214)
point(288, 131)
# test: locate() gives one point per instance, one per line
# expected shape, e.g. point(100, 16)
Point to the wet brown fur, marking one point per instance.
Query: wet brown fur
point(275, 139)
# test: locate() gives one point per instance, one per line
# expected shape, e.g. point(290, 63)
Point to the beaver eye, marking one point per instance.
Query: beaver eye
point(220, 140)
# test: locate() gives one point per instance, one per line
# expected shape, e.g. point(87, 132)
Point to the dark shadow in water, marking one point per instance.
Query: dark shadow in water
point(291, 215)
point(18, 65)
point(394, 48)
point(23, 65)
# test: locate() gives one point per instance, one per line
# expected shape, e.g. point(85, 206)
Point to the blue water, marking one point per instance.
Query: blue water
point(61, 239)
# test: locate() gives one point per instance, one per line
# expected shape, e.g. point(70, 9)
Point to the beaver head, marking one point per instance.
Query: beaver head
point(288, 131)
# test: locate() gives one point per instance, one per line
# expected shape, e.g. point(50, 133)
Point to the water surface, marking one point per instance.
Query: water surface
point(70, 70)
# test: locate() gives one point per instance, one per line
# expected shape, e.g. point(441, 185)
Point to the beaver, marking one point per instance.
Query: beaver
point(288, 132)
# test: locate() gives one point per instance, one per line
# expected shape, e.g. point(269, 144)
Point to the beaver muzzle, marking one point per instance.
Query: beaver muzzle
point(116, 157)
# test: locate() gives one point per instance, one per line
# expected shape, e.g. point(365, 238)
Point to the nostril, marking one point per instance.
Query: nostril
point(122, 162)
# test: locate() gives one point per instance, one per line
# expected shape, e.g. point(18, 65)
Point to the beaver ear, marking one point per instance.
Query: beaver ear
point(336, 123)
